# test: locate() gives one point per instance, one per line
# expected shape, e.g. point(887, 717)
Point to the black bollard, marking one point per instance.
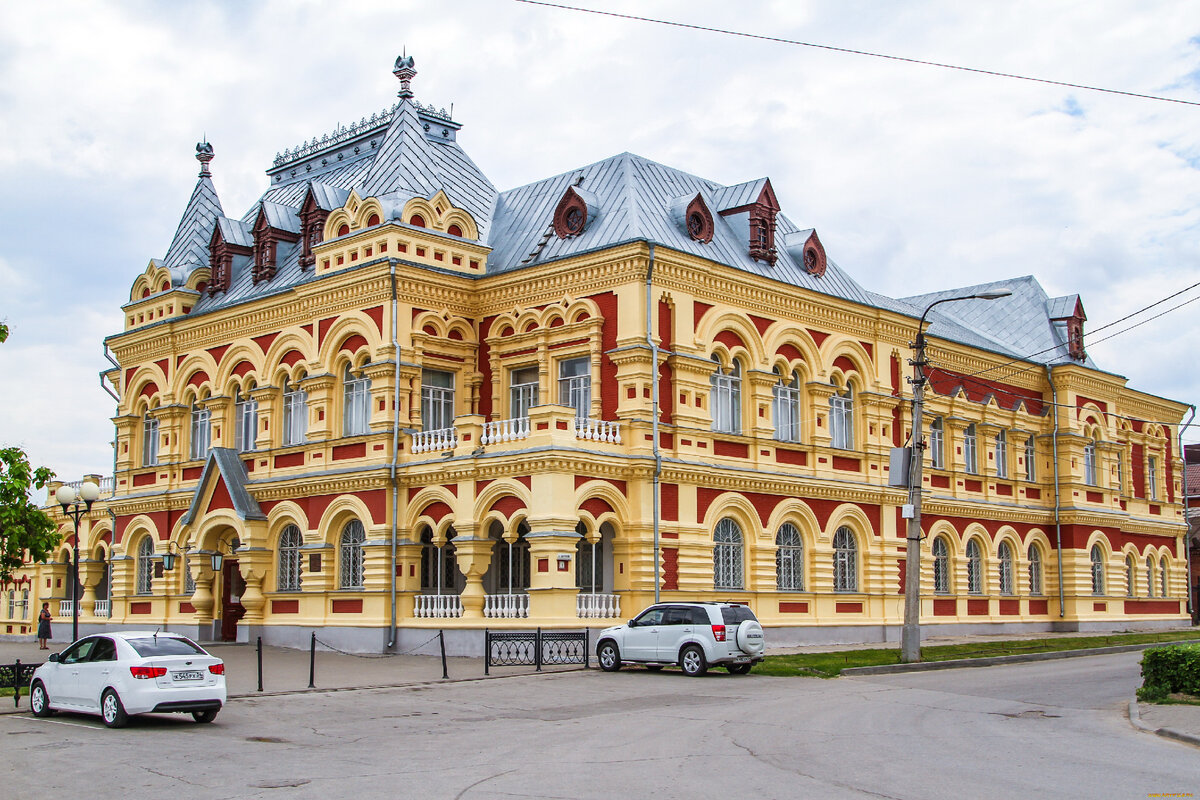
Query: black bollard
point(537, 648)
point(260, 664)
point(487, 650)
point(17, 684)
point(442, 642)
point(312, 661)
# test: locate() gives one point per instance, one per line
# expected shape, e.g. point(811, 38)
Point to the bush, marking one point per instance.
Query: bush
point(1167, 670)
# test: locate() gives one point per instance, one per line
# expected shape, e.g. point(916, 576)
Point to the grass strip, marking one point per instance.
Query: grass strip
point(831, 664)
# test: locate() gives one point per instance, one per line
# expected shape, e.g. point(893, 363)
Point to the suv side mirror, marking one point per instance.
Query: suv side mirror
point(632, 623)
point(53, 657)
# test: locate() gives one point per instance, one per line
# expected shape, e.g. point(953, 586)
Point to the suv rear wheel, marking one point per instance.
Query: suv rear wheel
point(609, 656)
point(691, 659)
point(739, 669)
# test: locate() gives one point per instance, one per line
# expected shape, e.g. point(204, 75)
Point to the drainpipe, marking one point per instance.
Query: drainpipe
point(1057, 498)
point(1187, 545)
point(654, 418)
point(113, 491)
point(395, 456)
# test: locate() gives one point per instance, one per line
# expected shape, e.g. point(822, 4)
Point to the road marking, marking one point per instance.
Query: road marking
point(32, 718)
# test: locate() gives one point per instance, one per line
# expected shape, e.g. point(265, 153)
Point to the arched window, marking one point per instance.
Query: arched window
point(1004, 555)
point(1130, 575)
point(289, 559)
point(439, 568)
point(974, 567)
point(841, 419)
point(1149, 576)
point(1097, 570)
point(970, 450)
point(454, 230)
point(356, 398)
point(295, 414)
point(787, 406)
point(510, 559)
point(201, 431)
point(726, 401)
point(145, 566)
point(417, 221)
point(845, 561)
point(1035, 570)
point(1002, 454)
point(941, 566)
point(350, 555)
point(937, 443)
point(789, 559)
point(1163, 582)
point(727, 555)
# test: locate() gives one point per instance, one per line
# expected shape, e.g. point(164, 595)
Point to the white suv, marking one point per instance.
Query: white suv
point(693, 635)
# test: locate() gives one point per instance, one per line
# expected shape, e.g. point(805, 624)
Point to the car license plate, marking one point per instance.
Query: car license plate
point(189, 675)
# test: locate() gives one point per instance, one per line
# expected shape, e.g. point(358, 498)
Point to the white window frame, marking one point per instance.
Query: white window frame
point(841, 419)
point(522, 392)
point(1150, 576)
point(1030, 456)
point(941, 566)
point(726, 400)
point(971, 449)
point(1002, 454)
point(974, 567)
point(295, 415)
point(144, 571)
point(1005, 562)
point(937, 443)
point(1097, 561)
point(1130, 575)
point(787, 409)
point(245, 412)
point(150, 441)
point(1036, 587)
point(437, 401)
point(575, 385)
point(789, 559)
point(1164, 582)
point(290, 561)
point(1089, 464)
point(350, 556)
point(1152, 477)
point(356, 403)
point(728, 556)
point(845, 561)
point(201, 439)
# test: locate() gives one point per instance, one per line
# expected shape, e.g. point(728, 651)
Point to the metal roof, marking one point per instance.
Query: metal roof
point(189, 247)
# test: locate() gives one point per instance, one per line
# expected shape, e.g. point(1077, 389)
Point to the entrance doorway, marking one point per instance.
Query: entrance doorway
point(232, 609)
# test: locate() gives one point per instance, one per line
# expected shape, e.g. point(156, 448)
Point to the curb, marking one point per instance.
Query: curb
point(1135, 718)
point(992, 661)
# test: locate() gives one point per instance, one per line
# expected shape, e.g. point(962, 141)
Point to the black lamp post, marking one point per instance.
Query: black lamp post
point(75, 505)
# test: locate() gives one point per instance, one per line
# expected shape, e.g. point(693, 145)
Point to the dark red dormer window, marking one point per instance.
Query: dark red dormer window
point(814, 256)
point(762, 234)
point(373, 221)
point(699, 221)
point(1075, 339)
point(417, 221)
point(454, 230)
point(571, 215)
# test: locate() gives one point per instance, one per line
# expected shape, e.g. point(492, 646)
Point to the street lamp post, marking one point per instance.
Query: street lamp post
point(910, 634)
point(69, 499)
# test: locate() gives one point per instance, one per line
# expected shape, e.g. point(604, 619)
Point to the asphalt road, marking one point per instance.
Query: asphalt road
point(1049, 729)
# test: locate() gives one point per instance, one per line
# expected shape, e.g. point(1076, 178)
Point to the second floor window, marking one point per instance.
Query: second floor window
point(295, 414)
point(970, 450)
point(149, 442)
point(523, 391)
point(356, 403)
point(787, 407)
point(201, 432)
point(1152, 477)
point(726, 400)
point(841, 419)
point(1030, 466)
point(1089, 464)
point(1002, 454)
point(245, 427)
point(937, 444)
point(575, 386)
point(437, 400)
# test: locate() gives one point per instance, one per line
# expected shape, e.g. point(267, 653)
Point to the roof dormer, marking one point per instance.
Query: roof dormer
point(575, 210)
point(275, 223)
point(751, 208)
point(1067, 315)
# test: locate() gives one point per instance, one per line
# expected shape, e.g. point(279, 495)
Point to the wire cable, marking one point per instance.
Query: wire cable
point(852, 51)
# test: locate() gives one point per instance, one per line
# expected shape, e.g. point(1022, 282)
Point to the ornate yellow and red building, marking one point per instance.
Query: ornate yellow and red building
point(395, 399)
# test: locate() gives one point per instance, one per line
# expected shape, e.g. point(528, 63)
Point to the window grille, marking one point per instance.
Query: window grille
point(575, 386)
point(727, 555)
point(970, 453)
point(1005, 555)
point(1130, 576)
point(1002, 454)
point(845, 561)
point(290, 542)
point(841, 419)
point(145, 566)
point(789, 559)
point(1149, 576)
point(437, 400)
point(937, 444)
point(1035, 570)
point(787, 408)
point(150, 442)
point(295, 414)
point(974, 567)
point(356, 403)
point(523, 391)
point(726, 400)
point(1164, 584)
point(1089, 464)
point(201, 432)
point(1030, 465)
point(350, 555)
point(941, 566)
point(1097, 570)
point(246, 424)
point(189, 580)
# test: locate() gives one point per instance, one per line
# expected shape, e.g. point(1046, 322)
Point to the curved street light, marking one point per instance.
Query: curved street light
point(75, 505)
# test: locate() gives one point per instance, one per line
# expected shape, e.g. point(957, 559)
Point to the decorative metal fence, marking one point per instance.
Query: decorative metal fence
point(535, 648)
point(17, 676)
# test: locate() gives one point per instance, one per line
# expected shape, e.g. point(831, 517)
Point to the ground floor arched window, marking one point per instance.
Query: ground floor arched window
point(1097, 570)
point(727, 555)
point(789, 559)
point(941, 566)
point(845, 561)
point(144, 576)
point(350, 555)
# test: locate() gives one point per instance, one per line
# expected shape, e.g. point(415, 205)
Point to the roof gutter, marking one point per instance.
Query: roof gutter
point(395, 456)
point(1187, 533)
point(1057, 498)
point(654, 417)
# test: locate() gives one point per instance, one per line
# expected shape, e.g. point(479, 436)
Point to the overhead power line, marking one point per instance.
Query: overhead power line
point(852, 51)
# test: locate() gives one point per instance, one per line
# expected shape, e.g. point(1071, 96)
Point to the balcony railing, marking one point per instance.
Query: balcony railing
point(597, 606)
point(440, 439)
point(505, 430)
point(437, 606)
point(597, 430)
point(66, 608)
point(102, 608)
point(507, 606)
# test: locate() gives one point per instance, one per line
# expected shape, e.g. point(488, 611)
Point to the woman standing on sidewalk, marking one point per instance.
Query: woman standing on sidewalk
point(44, 617)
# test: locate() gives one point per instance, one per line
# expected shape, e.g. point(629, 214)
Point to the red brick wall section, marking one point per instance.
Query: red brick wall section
point(607, 303)
point(945, 607)
point(285, 606)
point(348, 606)
point(731, 449)
point(792, 608)
point(1039, 606)
point(670, 568)
point(977, 606)
point(669, 501)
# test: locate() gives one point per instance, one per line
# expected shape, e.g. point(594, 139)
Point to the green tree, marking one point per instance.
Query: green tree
point(25, 530)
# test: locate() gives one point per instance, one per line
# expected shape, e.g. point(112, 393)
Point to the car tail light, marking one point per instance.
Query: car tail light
point(216, 669)
point(148, 672)
point(719, 632)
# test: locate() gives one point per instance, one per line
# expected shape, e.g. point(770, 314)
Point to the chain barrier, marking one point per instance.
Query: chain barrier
point(411, 650)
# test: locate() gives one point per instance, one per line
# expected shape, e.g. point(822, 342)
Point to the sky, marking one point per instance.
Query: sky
point(916, 178)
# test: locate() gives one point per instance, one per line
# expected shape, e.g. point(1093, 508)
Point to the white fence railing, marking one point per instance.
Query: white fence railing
point(66, 608)
point(597, 606)
point(508, 606)
point(441, 439)
point(597, 430)
point(437, 605)
point(505, 430)
point(103, 608)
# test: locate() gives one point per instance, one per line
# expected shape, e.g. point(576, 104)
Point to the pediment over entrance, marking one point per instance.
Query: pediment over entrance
point(222, 486)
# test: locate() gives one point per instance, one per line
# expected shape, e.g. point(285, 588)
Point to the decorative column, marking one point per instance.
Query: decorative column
point(474, 555)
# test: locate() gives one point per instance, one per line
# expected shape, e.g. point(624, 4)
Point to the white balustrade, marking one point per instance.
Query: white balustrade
point(505, 430)
point(441, 439)
point(597, 430)
point(437, 606)
point(508, 606)
point(597, 606)
point(66, 608)
point(103, 608)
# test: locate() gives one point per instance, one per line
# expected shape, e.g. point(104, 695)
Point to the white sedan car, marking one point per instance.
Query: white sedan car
point(135, 672)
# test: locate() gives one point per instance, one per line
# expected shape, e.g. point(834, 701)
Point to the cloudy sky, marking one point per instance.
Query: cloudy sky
point(917, 178)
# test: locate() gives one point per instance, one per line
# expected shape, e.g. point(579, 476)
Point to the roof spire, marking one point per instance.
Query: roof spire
point(204, 154)
point(405, 70)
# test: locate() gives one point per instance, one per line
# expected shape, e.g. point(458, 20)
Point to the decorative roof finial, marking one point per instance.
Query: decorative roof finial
point(405, 70)
point(204, 154)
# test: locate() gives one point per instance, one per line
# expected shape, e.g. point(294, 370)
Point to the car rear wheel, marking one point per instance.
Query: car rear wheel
point(739, 669)
point(112, 710)
point(39, 701)
point(205, 716)
point(691, 659)
point(610, 656)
